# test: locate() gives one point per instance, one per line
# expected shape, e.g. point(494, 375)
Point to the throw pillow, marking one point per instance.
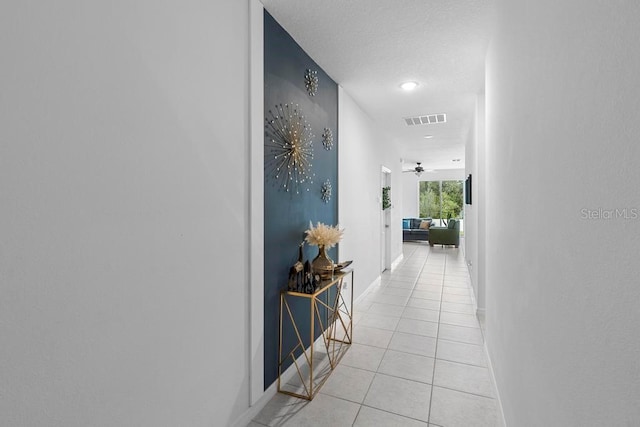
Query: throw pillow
point(424, 225)
point(452, 224)
point(406, 224)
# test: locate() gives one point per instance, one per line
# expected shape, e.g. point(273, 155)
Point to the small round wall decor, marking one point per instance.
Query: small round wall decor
point(326, 191)
point(311, 81)
point(327, 139)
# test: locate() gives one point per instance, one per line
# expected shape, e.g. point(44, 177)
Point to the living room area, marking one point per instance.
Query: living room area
point(434, 206)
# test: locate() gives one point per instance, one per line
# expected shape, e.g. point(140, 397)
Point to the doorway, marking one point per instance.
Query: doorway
point(385, 222)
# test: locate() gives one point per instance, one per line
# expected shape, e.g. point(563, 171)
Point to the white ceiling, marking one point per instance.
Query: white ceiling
point(370, 47)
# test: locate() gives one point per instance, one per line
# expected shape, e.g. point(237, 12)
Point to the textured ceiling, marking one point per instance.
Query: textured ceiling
point(369, 47)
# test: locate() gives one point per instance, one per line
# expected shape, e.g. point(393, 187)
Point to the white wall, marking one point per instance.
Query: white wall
point(479, 203)
point(256, 207)
point(363, 150)
point(410, 199)
point(411, 186)
point(470, 213)
point(123, 247)
point(562, 138)
point(474, 214)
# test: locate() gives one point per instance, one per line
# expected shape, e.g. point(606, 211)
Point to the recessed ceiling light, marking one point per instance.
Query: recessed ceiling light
point(428, 136)
point(409, 85)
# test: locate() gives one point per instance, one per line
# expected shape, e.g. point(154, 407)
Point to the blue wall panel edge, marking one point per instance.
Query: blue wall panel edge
point(287, 214)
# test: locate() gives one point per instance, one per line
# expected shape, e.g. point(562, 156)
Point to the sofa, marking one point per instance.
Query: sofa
point(412, 230)
point(449, 235)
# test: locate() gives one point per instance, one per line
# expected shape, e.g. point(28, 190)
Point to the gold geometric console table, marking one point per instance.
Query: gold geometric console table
point(334, 316)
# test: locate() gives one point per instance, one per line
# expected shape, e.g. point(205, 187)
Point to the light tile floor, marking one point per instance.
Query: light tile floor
point(417, 357)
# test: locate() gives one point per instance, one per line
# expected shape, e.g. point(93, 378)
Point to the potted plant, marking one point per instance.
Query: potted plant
point(324, 237)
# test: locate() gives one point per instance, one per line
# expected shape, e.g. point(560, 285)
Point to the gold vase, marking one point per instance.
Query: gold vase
point(322, 264)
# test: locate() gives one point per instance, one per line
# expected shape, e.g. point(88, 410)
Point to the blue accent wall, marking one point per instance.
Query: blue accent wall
point(287, 214)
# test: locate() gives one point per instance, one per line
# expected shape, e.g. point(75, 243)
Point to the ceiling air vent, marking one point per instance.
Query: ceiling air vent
point(428, 119)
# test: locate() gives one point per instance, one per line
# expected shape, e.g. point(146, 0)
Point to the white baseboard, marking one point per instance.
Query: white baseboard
point(378, 280)
point(372, 285)
point(271, 391)
point(474, 300)
point(248, 415)
point(503, 421)
point(397, 261)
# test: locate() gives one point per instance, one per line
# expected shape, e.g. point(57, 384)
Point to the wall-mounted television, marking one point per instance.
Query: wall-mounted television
point(467, 190)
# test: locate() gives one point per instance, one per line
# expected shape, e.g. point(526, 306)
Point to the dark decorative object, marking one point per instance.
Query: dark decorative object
point(467, 190)
point(296, 273)
point(291, 144)
point(341, 266)
point(301, 276)
point(386, 198)
point(311, 280)
point(327, 139)
point(311, 81)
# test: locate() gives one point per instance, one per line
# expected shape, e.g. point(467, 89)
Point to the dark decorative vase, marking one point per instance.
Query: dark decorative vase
point(322, 264)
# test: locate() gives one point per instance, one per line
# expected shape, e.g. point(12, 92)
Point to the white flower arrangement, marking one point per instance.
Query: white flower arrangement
point(323, 235)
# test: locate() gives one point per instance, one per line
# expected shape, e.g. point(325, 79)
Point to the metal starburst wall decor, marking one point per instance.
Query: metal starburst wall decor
point(291, 146)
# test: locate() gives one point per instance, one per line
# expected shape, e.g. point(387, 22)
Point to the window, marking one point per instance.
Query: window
point(441, 199)
point(430, 200)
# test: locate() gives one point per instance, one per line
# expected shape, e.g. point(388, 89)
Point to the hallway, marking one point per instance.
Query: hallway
point(417, 357)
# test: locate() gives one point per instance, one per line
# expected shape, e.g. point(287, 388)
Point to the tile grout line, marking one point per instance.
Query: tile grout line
point(386, 349)
point(435, 356)
point(382, 358)
point(466, 392)
point(395, 413)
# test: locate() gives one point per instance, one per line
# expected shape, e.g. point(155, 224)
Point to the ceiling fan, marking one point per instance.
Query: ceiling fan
point(417, 170)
